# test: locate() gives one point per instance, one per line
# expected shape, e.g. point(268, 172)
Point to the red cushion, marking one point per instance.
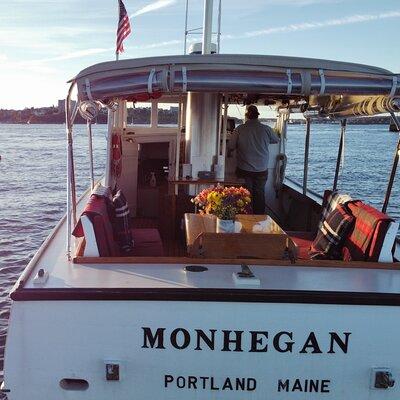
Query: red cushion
point(104, 245)
point(378, 239)
point(97, 212)
point(365, 241)
point(147, 243)
point(303, 241)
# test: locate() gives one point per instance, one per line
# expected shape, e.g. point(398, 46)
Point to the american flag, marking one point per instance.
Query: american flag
point(124, 27)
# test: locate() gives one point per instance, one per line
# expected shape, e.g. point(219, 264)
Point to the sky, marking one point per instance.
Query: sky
point(44, 43)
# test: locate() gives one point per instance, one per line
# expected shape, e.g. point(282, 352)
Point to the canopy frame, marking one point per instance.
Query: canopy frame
point(394, 166)
point(306, 154)
point(340, 89)
point(90, 145)
point(71, 186)
point(343, 124)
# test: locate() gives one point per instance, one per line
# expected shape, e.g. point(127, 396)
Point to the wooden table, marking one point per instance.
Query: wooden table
point(257, 236)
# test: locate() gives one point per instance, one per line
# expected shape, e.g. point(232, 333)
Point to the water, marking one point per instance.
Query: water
point(369, 152)
point(32, 193)
point(33, 179)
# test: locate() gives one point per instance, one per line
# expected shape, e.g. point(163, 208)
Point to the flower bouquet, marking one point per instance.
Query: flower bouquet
point(224, 203)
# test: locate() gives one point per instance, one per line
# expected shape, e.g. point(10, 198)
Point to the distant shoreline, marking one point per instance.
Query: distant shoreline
point(48, 123)
point(142, 116)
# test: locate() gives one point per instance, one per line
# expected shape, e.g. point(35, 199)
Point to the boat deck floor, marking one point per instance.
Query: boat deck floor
point(173, 246)
point(64, 273)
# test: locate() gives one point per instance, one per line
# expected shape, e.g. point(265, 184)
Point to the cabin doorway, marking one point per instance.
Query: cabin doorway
point(153, 171)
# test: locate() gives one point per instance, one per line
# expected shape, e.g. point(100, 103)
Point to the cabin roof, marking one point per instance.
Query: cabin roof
point(234, 59)
point(274, 77)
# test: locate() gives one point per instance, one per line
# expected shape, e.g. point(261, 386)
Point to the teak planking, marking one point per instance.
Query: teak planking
point(80, 246)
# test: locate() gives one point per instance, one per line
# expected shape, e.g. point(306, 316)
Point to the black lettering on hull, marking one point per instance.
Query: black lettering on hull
point(210, 383)
point(244, 341)
point(304, 385)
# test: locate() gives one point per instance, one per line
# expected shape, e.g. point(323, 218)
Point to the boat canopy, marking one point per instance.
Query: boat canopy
point(273, 76)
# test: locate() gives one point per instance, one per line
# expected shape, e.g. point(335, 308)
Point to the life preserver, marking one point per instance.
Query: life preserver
point(116, 155)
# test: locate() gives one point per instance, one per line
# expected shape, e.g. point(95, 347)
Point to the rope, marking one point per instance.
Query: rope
point(89, 110)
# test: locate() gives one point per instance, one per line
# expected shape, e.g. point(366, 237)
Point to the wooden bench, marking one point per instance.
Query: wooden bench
point(96, 228)
point(379, 237)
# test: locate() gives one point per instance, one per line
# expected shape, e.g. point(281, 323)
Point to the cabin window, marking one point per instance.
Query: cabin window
point(167, 114)
point(139, 114)
point(238, 111)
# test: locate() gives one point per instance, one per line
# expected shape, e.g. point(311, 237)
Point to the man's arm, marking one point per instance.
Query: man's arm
point(272, 136)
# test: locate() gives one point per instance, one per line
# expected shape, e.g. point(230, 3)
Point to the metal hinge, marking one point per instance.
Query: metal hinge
point(289, 255)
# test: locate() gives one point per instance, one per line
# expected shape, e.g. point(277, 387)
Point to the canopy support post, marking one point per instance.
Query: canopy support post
point(343, 124)
point(71, 189)
point(306, 154)
point(111, 116)
point(90, 142)
point(394, 165)
point(281, 127)
point(178, 143)
point(222, 155)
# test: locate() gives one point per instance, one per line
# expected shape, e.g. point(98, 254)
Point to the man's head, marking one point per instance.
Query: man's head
point(252, 112)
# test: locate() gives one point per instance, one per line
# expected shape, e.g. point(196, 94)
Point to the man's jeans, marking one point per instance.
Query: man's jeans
point(255, 183)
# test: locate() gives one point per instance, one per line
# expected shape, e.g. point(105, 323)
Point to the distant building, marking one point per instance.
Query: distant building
point(61, 105)
point(39, 111)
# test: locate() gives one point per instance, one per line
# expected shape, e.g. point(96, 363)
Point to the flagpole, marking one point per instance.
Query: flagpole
point(116, 50)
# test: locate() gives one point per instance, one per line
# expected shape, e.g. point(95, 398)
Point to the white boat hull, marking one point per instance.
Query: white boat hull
point(284, 351)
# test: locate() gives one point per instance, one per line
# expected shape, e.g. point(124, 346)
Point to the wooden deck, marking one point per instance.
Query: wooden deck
point(174, 245)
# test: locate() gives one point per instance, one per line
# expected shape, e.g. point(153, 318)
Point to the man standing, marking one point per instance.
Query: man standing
point(251, 140)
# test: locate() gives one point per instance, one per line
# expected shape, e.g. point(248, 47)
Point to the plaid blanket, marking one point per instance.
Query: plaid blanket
point(331, 234)
point(333, 200)
point(121, 225)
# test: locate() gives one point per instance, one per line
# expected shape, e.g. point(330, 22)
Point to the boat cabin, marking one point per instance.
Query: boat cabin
point(168, 134)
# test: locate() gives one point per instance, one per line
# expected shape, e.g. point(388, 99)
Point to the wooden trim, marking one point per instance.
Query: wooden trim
point(80, 248)
point(225, 261)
